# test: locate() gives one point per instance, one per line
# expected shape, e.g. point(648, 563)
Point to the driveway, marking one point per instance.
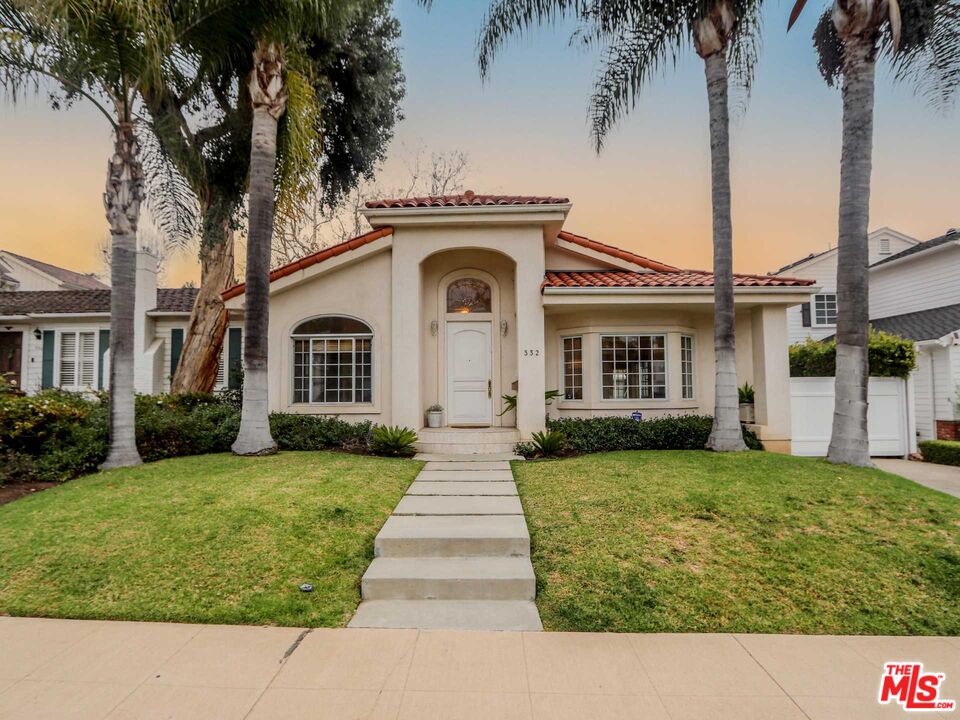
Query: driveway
point(92, 670)
point(945, 478)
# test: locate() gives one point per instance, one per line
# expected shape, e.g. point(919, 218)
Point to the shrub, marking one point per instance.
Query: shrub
point(394, 441)
point(549, 443)
point(745, 393)
point(942, 452)
point(889, 355)
point(671, 432)
point(310, 432)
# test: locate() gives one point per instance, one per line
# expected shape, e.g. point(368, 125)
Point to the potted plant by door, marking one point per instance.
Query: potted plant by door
point(435, 416)
point(746, 403)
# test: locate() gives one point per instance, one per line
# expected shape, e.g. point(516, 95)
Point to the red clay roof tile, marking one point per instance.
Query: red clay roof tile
point(615, 252)
point(616, 279)
point(467, 199)
point(313, 259)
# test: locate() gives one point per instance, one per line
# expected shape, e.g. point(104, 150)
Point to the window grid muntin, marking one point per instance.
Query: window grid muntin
point(621, 351)
point(333, 369)
point(825, 309)
point(573, 368)
point(686, 367)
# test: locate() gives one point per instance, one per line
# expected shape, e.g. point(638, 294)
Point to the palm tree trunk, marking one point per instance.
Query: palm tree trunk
point(849, 442)
point(121, 199)
point(200, 357)
point(726, 435)
point(269, 101)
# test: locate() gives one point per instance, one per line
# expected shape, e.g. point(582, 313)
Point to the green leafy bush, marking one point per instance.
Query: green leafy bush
point(312, 432)
point(942, 452)
point(889, 355)
point(745, 393)
point(394, 441)
point(671, 432)
point(551, 442)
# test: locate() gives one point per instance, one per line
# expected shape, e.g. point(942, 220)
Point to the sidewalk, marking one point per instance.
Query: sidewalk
point(74, 669)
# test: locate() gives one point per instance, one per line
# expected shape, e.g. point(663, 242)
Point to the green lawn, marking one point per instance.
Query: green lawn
point(752, 542)
point(215, 539)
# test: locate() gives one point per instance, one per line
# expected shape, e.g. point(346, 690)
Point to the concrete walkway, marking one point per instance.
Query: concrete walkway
point(91, 670)
point(945, 478)
point(454, 554)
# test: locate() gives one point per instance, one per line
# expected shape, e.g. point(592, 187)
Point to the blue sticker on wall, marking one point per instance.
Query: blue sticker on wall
point(636, 415)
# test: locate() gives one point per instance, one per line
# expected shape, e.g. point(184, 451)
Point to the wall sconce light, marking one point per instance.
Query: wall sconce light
point(503, 328)
point(37, 334)
point(434, 326)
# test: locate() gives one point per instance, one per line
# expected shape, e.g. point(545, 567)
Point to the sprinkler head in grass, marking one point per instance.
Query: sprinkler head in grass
point(306, 587)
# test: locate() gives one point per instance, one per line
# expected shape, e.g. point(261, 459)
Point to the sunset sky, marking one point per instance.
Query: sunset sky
point(525, 132)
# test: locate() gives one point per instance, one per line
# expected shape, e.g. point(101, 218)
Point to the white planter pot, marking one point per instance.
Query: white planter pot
point(434, 419)
point(746, 413)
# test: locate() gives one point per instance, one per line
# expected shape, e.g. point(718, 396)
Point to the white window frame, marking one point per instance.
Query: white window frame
point(76, 386)
point(666, 368)
point(815, 319)
point(563, 368)
point(688, 391)
point(294, 338)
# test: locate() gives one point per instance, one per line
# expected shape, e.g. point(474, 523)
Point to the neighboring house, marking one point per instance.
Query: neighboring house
point(61, 337)
point(460, 300)
point(817, 318)
point(22, 273)
point(916, 294)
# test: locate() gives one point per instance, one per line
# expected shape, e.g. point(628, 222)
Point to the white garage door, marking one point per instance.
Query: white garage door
point(811, 411)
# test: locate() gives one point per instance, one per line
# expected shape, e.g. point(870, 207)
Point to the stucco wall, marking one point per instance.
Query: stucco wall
point(360, 290)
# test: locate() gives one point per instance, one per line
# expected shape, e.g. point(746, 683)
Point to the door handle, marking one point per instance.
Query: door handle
point(489, 388)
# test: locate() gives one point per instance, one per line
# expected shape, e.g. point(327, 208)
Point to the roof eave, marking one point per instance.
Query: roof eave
point(531, 213)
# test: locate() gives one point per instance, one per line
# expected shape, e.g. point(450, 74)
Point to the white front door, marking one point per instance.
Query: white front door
point(469, 374)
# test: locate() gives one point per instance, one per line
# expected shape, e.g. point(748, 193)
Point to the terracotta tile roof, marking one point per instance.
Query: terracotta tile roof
point(47, 302)
point(615, 279)
point(71, 280)
point(615, 252)
point(467, 199)
point(314, 258)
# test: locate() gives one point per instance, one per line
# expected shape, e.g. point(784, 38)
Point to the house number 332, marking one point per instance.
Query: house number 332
point(531, 352)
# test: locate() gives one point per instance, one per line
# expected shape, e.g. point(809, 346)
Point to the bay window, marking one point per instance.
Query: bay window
point(686, 367)
point(633, 367)
point(573, 368)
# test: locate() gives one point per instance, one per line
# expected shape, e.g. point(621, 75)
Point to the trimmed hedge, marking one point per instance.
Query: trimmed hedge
point(942, 452)
point(671, 432)
point(55, 436)
point(889, 356)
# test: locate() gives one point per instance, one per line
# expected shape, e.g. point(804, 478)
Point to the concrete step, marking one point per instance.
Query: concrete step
point(448, 615)
point(474, 449)
point(453, 536)
point(470, 435)
point(463, 505)
point(465, 476)
point(424, 487)
point(467, 457)
point(457, 578)
point(467, 465)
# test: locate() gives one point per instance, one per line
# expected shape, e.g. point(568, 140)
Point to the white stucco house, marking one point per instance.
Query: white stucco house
point(460, 300)
point(817, 318)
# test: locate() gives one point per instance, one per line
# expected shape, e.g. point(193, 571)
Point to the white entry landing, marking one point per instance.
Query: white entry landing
point(455, 553)
point(468, 441)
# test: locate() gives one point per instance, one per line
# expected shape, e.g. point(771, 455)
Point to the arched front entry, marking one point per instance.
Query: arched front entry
point(469, 349)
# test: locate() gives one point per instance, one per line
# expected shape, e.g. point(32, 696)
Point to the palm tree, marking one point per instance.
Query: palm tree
point(277, 75)
point(640, 37)
point(102, 51)
point(848, 38)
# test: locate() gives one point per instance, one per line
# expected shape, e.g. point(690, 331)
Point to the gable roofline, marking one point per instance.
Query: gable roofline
point(57, 274)
point(921, 248)
point(870, 236)
point(314, 258)
point(615, 252)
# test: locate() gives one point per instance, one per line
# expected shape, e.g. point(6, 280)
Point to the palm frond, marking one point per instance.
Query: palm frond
point(170, 199)
point(506, 18)
point(929, 58)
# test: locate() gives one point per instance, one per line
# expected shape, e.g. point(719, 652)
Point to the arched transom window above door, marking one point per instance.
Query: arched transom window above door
point(332, 361)
point(468, 295)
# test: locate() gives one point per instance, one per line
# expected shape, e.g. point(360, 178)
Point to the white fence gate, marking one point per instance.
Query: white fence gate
point(890, 421)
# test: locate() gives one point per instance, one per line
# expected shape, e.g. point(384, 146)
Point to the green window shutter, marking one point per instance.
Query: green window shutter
point(104, 346)
point(234, 356)
point(176, 347)
point(49, 341)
